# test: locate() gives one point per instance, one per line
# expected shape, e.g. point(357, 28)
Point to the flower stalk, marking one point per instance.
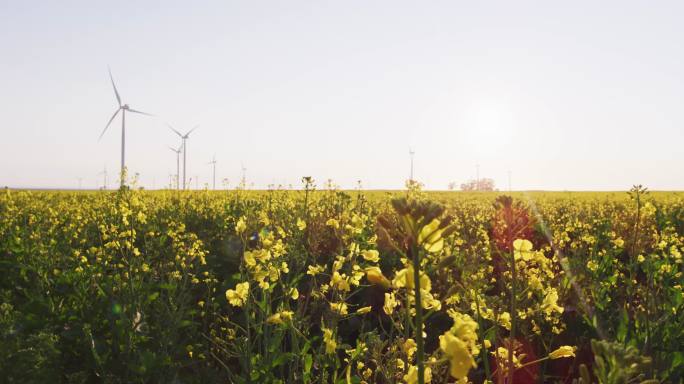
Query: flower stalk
point(415, 253)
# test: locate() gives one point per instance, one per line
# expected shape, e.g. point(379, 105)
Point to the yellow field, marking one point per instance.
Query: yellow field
point(328, 286)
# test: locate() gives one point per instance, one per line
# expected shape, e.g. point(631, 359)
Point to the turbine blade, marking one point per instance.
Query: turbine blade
point(177, 133)
point(118, 98)
point(140, 112)
point(109, 123)
point(190, 131)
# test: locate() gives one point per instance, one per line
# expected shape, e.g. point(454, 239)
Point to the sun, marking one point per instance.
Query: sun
point(488, 126)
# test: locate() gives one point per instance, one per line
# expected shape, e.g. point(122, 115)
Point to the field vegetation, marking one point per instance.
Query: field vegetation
point(330, 286)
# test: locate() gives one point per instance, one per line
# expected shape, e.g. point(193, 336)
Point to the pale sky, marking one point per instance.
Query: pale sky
point(571, 95)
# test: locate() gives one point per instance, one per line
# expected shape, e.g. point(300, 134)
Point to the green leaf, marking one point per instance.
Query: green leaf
point(623, 326)
point(280, 360)
point(308, 363)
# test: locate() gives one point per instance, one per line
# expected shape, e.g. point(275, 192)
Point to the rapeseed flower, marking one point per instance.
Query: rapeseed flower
point(390, 303)
point(563, 351)
point(238, 296)
point(329, 341)
point(371, 255)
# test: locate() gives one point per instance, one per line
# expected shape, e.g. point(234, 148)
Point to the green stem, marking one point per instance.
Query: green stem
point(482, 338)
point(419, 314)
point(511, 338)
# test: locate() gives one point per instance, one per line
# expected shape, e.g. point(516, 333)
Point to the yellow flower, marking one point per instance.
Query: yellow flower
point(333, 223)
point(274, 319)
point(240, 226)
point(550, 302)
point(465, 328)
point(390, 303)
point(286, 315)
point(564, 351)
point(339, 308)
point(522, 249)
point(456, 350)
point(314, 270)
point(367, 373)
point(301, 224)
point(430, 237)
point(340, 281)
point(592, 265)
point(405, 278)
point(412, 376)
point(250, 260)
point(505, 320)
point(294, 294)
point(280, 317)
point(375, 276)
point(409, 347)
point(371, 255)
point(329, 340)
point(238, 296)
point(363, 310)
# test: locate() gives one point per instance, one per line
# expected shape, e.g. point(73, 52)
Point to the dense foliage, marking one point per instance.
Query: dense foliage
point(328, 286)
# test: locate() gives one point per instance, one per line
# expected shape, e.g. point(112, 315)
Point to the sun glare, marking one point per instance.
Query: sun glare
point(488, 126)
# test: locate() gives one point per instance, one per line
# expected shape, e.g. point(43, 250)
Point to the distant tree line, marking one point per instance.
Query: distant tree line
point(484, 184)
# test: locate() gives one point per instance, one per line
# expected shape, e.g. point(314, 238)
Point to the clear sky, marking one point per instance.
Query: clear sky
point(576, 95)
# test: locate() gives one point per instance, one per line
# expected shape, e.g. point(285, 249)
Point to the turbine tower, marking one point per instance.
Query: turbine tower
point(184, 138)
point(122, 108)
point(244, 176)
point(177, 152)
point(213, 163)
point(411, 153)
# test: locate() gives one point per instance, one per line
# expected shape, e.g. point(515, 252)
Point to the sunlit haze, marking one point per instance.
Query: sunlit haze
point(578, 95)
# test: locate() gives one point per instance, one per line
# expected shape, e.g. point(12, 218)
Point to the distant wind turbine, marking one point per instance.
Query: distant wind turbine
point(122, 108)
point(184, 138)
point(178, 152)
point(213, 163)
point(104, 173)
point(411, 153)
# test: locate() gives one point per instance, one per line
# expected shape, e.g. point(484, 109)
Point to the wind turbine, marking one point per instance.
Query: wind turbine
point(104, 172)
point(213, 162)
point(178, 152)
point(184, 138)
point(122, 108)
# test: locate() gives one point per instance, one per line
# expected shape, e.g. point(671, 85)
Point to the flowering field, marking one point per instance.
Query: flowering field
point(329, 286)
